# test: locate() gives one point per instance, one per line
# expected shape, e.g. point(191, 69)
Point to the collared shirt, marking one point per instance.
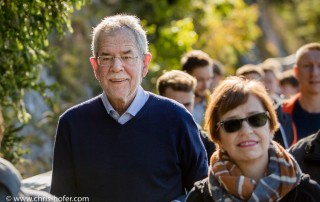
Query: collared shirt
point(198, 111)
point(138, 102)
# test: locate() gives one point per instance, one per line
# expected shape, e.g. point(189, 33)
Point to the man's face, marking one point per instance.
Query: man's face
point(307, 71)
point(120, 81)
point(271, 82)
point(289, 90)
point(204, 77)
point(215, 81)
point(185, 98)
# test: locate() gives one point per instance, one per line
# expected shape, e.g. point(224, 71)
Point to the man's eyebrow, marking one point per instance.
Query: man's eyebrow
point(103, 53)
point(127, 52)
point(124, 52)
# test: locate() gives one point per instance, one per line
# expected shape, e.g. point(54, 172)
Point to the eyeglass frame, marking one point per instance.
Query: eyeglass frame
point(220, 124)
point(112, 58)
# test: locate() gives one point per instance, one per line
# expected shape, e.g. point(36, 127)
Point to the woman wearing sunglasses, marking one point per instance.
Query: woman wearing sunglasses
point(248, 165)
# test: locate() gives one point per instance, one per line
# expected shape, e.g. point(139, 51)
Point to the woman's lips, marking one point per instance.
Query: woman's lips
point(247, 143)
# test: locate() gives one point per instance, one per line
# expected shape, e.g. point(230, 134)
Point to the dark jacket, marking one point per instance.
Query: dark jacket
point(307, 154)
point(304, 122)
point(307, 190)
point(207, 143)
point(285, 135)
point(10, 186)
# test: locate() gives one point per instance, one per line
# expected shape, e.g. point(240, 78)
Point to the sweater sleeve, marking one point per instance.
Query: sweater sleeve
point(63, 176)
point(193, 155)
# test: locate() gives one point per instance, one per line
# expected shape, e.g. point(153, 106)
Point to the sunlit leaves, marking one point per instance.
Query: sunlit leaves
point(299, 21)
point(176, 38)
point(24, 48)
point(231, 29)
point(25, 27)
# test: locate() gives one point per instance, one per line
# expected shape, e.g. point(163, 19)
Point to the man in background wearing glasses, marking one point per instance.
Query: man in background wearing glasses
point(126, 144)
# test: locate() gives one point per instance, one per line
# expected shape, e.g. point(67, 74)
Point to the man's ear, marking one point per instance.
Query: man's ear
point(295, 70)
point(146, 61)
point(95, 66)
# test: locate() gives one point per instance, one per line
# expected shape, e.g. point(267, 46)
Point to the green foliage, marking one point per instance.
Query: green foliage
point(179, 34)
point(174, 40)
point(25, 27)
point(12, 148)
point(299, 21)
point(231, 30)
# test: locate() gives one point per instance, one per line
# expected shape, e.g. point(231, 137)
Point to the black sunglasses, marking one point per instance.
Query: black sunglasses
point(255, 120)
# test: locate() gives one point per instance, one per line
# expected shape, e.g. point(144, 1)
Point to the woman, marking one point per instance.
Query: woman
point(248, 165)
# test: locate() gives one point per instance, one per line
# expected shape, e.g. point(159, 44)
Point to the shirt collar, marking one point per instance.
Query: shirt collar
point(137, 103)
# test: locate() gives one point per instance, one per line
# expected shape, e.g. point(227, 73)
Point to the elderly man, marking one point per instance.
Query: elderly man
point(126, 144)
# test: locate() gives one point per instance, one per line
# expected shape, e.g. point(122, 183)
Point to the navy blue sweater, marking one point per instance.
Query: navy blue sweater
point(155, 156)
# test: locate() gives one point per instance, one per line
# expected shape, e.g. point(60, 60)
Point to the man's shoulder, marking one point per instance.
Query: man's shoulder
point(84, 107)
point(306, 190)
point(165, 103)
point(288, 105)
point(306, 147)
point(164, 108)
point(9, 177)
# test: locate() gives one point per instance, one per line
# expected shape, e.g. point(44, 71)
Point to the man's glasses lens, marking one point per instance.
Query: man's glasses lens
point(109, 60)
point(256, 120)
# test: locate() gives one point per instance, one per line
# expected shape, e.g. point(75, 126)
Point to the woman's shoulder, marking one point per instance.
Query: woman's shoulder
point(306, 190)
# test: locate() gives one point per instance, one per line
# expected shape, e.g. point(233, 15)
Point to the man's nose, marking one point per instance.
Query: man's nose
point(117, 64)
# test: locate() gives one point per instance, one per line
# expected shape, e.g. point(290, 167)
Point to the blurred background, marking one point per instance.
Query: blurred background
point(45, 50)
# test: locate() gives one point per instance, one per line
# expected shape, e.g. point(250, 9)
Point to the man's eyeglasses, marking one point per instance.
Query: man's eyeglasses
point(107, 60)
point(255, 120)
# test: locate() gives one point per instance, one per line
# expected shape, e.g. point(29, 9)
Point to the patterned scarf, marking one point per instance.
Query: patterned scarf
point(227, 183)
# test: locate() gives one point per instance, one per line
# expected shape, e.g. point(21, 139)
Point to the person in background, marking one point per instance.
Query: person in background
point(285, 135)
point(307, 154)
point(11, 189)
point(289, 84)
point(180, 86)
point(272, 69)
point(10, 181)
point(218, 74)
point(126, 144)
point(199, 65)
point(304, 107)
point(248, 165)
point(250, 71)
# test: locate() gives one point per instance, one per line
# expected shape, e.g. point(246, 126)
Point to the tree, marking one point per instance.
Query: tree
point(295, 21)
point(24, 50)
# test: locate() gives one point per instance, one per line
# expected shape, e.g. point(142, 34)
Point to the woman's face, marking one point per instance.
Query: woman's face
point(249, 143)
